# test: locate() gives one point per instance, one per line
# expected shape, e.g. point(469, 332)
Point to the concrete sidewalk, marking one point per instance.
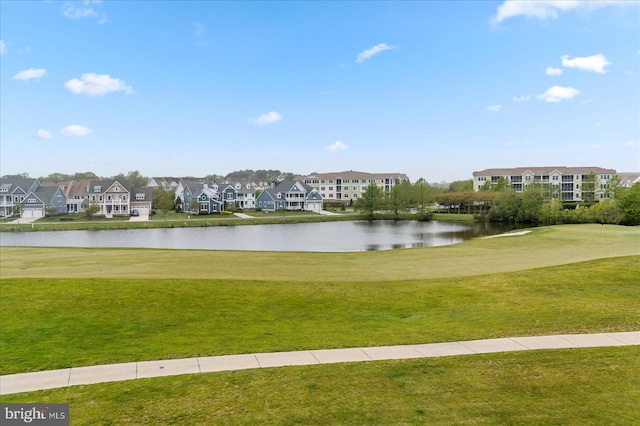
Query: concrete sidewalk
point(26, 382)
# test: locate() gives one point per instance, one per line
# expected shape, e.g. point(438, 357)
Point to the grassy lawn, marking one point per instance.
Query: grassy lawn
point(55, 323)
point(557, 387)
point(74, 307)
point(545, 246)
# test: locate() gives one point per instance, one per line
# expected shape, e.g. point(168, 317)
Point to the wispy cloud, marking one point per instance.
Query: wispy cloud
point(198, 28)
point(554, 72)
point(93, 84)
point(83, 10)
point(268, 118)
point(44, 134)
point(372, 51)
point(30, 74)
point(549, 9)
point(524, 98)
point(595, 63)
point(337, 146)
point(75, 130)
point(3, 47)
point(494, 108)
point(558, 94)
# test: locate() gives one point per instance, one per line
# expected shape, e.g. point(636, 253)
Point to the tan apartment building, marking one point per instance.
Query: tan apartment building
point(563, 183)
point(349, 185)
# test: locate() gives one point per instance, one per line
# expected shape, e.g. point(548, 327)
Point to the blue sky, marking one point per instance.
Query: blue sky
point(432, 89)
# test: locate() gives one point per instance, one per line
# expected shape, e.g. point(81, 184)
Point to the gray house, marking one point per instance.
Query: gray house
point(13, 190)
point(45, 200)
point(290, 195)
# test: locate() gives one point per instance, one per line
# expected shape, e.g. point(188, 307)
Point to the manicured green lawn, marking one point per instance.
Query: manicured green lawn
point(596, 386)
point(56, 323)
point(545, 246)
point(157, 304)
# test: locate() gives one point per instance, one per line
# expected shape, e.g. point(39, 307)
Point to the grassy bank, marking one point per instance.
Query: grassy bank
point(56, 323)
point(570, 387)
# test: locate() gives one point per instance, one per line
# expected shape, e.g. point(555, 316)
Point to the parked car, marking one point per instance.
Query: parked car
point(135, 213)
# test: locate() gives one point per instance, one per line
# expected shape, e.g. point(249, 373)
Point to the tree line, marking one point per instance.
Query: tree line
point(536, 204)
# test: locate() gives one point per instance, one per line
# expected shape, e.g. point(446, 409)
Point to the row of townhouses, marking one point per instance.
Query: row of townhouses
point(563, 183)
point(30, 198)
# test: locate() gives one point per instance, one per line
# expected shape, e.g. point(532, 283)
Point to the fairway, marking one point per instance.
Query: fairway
point(70, 307)
point(545, 246)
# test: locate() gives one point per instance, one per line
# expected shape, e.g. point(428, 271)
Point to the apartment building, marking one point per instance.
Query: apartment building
point(349, 185)
point(562, 183)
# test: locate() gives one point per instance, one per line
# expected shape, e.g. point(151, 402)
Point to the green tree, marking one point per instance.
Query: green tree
point(423, 195)
point(530, 205)
point(505, 207)
point(165, 201)
point(606, 211)
point(91, 210)
point(461, 185)
point(399, 198)
point(629, 204)
point(551, 213)
point(84, 175)
point(371, 200)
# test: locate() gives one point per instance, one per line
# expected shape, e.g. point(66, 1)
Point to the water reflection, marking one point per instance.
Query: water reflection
point(320, 237)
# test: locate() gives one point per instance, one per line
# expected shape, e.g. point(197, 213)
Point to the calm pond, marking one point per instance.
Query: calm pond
point(319, 237)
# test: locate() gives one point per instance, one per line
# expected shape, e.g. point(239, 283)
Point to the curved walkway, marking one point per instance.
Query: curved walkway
point(26, 382)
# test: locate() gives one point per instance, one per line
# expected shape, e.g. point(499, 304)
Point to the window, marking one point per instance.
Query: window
point(345, 180)
point(330, 180)
point(31, 200)
point(59, 198)
point(97, 188)
point(116, 188)
point(355, 195)
point(331, 188)
point(140, 196)
point(527, 178)
point(555, 177)
point(322, 181)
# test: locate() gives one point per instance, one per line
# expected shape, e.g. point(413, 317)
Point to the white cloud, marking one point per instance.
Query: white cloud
point(558, 94)
point(554, 72)
point(522, 98)
point(3, 47)
point(338, 146)
point(544, 9)
point(77, 11)
point(75, 130)
point(494, 108)
point(30, 73)
point(595, 63)
point(44, 134)
point(268, 118)
point(93, 84)
point(362, 56)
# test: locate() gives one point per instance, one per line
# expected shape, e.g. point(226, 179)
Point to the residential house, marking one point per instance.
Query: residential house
point(141, 200)
point(112, 197)
point(166, 183)
point(349, 185)
point(290, 195)
point(43, 201)
point(563, 183)
point(13, 190)
point(627, 180)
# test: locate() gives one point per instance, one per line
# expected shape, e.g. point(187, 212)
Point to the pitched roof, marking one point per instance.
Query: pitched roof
point(12, 183)
point(350, 174)
point(544, 171)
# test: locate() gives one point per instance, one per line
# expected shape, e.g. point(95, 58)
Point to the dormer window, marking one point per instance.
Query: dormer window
point(97, 188)
point(139, 196)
